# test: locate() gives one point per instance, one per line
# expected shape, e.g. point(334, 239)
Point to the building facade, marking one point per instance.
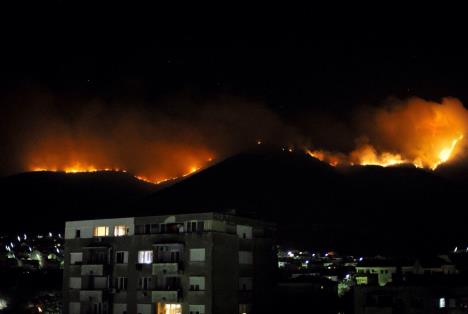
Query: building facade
point(176, 264)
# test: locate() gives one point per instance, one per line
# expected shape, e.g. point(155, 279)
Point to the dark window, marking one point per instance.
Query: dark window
point(121, 283)
point(147, 229)
point(154, 228)
point(77, 233)
point(195, 226)
point(97, 256)
point(120, 258)
point(175, 256)
point(200, 226)
point(144, 283)
point(163, 228)
point(139, 229)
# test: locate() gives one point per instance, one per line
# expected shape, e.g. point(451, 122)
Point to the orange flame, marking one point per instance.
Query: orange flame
point(418, 132)
point(170, 164)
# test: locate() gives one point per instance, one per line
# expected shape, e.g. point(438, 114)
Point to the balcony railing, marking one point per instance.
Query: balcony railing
point(93, 270)
point(91, 296)
point(166, 296)
point(169, 268)
point(95, 283)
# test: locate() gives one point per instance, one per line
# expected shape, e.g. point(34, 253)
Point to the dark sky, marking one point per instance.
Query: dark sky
point(300, 60)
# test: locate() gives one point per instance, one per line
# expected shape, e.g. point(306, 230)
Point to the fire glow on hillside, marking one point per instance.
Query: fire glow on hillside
point(414, 131)
point(418, 132)
point(182, 166)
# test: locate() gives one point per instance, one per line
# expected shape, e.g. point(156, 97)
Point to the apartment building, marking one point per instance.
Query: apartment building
point(198, 263)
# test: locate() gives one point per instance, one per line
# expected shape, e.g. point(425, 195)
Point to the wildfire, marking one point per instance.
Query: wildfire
point(418, 132)
point(192, 170)
point(83, 169)
point(156, 173)
point(367, 155)
point(413, 131)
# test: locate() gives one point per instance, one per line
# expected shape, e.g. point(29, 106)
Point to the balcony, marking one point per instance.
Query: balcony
point(95, 283)
point(92, 270)
point(75, 270)
point(144, 296)
point(91, 296)
point(165, 296)
point(167, 268)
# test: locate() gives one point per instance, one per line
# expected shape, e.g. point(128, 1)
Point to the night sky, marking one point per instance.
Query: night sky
point(303, 61)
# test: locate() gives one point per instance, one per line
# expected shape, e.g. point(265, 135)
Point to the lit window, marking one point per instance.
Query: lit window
point(120, 230)
point(169, 308)
point(145, 257)
point(101, 231)
point(441, 303)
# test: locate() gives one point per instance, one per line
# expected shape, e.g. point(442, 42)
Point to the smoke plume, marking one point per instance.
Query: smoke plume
point(175, 138)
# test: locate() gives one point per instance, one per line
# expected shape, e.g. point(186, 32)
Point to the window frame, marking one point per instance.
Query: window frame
point(143, 259)
point(96, 231)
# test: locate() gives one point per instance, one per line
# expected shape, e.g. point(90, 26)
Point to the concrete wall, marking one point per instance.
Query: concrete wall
point(221, 270)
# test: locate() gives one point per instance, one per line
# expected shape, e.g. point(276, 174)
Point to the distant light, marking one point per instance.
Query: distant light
point(441, 303)
point(60, 235)
point(348, 276)
point(30, 249)
point(3, 304)
point(25, 237)
point(455, 249)
point(326, 254)
point(57, 250)
point(307, 261)
point(19, 239)
point(259, 142)
point(313, 255)
point(50, 234)
point(39, 309)
point(11, 244)
point(290, 254)
point(360, 259)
